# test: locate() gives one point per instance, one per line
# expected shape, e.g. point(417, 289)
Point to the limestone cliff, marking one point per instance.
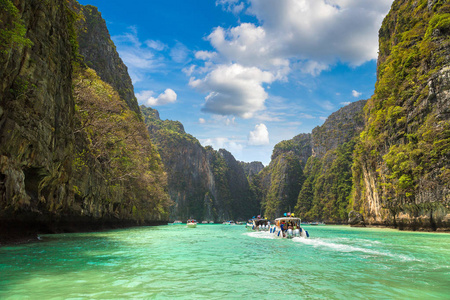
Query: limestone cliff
point(402, 166)
point(100, 54)
point(203, 183)
point(251, 168)
point(311, 173)
point(66, 135)
point(281, 181)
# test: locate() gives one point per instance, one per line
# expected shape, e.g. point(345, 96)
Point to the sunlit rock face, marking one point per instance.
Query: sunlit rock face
point(402, 170)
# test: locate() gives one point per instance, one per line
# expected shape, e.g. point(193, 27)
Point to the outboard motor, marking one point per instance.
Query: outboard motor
point(304, 234)
point(289, 234)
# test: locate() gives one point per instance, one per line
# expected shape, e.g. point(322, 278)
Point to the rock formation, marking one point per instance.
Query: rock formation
point(63, 158)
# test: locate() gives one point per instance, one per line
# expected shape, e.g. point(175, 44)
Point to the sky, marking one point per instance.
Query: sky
point(244, 75)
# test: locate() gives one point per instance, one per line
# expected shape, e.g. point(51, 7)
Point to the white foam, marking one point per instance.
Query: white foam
point(260, 234)
point(320, 243)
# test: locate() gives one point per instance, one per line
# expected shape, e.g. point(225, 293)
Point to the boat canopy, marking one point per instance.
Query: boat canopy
point(293, 220)
point(259, 222)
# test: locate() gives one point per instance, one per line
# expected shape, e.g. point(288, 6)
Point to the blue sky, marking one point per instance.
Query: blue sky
point(246, 74)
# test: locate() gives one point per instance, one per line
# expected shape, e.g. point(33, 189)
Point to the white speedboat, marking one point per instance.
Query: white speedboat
point(288, 227)
point(191, 223)
point(177, 222)
point(258, 224)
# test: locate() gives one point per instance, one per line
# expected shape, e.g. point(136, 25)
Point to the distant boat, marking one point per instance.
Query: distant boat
point(211, 222)
point(191, 223)
point(204, 222)
point(176, 222)
point(229, 223)
point(258, 224)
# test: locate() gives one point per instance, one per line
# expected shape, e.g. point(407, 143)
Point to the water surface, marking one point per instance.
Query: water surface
point(229, 262)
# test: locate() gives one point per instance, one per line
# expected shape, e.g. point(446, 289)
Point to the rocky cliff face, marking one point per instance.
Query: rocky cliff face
point(252, 168)
point(203, 183)
point(100, 54)
point(311, 173)
point(401, 171)
point(36, 107)
point(281, 181)
point(57, 165)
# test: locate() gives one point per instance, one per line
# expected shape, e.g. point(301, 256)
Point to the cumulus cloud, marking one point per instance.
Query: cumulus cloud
point(259, 136)
point(356, 94)
point(315, 33)
point(201, 121)
point(345, 103)
point(169, 96)
point(234, 90)
point(323, 30)
point(305, 35)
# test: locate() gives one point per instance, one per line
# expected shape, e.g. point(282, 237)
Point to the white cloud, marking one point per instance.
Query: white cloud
point(201, 121)
point(315, 33)
point(188, 70)
point(323, 30)
point(327, 105)
point(234, 6)
point(169, 96)
point(259, 136)
point(179, 53)
point(234, 90)
point(205, 55)
point(345, 103)
point(223, 143)
point(356, 94)
point(140, 58)
point(157, 45)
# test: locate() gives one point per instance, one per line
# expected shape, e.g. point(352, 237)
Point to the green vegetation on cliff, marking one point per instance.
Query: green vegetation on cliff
point(405, 146)
point(73, 151)
point(115, 144)
point(12, 28)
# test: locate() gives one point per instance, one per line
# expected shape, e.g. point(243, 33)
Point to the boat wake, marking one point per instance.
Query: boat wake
point(323, 244)
point(260, 234)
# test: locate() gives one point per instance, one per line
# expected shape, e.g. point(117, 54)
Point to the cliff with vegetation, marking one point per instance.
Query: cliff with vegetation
point(280, 182)
point(204, 184)
point(311, 173)
point(402, 167)
point(73, 149)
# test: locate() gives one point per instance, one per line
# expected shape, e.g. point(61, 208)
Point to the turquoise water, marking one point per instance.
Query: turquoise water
point(228, 262)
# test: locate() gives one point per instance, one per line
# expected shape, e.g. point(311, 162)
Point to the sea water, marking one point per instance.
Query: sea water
point(229, 262)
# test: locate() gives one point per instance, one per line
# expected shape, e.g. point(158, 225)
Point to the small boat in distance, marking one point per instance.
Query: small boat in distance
point(177, 222)
point(191, 223)
point(211, 222)
point(231, 222)
point(288, 227)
